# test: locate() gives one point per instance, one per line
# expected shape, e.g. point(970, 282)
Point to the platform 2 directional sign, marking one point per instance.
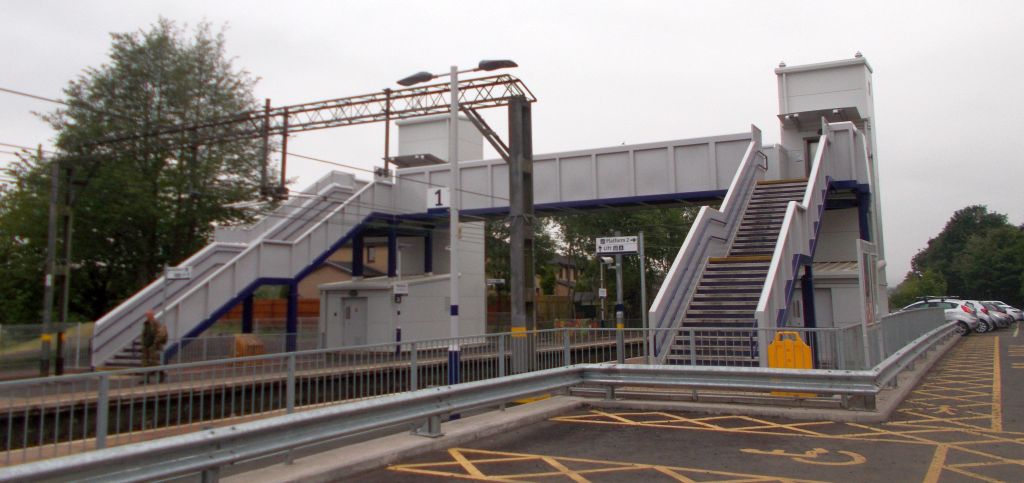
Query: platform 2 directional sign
point(617, 245)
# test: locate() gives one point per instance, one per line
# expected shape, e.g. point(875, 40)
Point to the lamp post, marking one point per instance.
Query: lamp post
point(455, 198)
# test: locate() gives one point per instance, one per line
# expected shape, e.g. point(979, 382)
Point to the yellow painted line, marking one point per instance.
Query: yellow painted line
point(616, 417)
point(465, 463)
point(528, 400)
point(997, 390)
point(938, 461)
point(574, 476)
point(672, 474)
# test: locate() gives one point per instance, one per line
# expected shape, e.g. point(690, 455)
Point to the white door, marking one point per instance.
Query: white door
point(333, 319)
point(353, 329)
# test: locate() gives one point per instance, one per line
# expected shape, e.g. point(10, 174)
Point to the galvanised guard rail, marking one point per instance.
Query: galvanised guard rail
point(49, 417)
point(206, 451)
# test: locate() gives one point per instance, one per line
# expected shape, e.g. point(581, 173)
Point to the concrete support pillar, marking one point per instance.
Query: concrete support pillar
point(864, 214)
point(810, 318)
point(357, 255)
point(521, 233)
point(428, 252)
point(247, 310)
point(392, 249)
point(292, 318)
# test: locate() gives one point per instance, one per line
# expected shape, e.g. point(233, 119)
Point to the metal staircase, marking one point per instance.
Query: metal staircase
point(726, 297)
point(284, 245)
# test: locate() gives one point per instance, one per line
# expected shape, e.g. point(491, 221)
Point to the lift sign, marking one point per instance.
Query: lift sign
point(615, 245)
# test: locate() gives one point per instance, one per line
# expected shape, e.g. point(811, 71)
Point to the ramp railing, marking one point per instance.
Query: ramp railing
point(710, 235)
point(841, 154)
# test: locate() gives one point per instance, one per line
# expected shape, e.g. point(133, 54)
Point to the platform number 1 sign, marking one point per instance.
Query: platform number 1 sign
point(437, 198)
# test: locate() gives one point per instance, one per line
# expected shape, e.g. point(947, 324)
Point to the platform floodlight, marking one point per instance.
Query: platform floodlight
point(417, 78)
point(490, 65)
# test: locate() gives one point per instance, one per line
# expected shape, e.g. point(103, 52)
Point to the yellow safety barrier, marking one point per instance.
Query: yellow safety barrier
point(248, 345)
point(789, 351)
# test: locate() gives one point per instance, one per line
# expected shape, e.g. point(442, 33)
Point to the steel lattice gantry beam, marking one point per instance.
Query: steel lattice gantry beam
point(386, 105)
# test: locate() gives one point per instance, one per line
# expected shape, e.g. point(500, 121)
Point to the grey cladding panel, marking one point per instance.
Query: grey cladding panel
point(576, 178)
point(413, 193)
point(545, 181)
point(499, 180)
point(651, 177)
point(474, 180)
point(729, 154)
point(614, 179)
point(692, 168)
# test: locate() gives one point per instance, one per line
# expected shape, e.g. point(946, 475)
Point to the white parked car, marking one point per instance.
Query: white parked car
point(956, 311)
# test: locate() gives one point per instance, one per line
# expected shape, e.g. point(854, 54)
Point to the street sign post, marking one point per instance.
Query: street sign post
point(617, 245)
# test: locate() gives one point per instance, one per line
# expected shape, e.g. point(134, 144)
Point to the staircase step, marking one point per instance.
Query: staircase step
point(731, 282)
point(740, 309)
point(754, 243)
point(736, 267)
point(725, 297)
point(732, 260)
point(704, 360)
point(752, 251)
point(770, 182)
point(704, 339)
point(741, 272)
point(778, 196)
point(706, 323)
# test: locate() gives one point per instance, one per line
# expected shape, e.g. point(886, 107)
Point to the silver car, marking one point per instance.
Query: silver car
point(956, 311)
point(988, 320)
point(1003, 319)
point(1014, 312)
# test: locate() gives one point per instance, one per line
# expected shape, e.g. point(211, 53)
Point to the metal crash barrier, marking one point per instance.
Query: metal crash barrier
point(206, 451)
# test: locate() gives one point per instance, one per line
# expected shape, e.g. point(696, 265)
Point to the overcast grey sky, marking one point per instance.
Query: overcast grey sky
point(948, 75)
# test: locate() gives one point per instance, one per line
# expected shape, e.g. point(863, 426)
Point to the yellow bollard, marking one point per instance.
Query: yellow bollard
point(789, 351)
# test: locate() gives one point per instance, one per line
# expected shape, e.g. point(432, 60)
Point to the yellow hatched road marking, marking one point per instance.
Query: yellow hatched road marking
point(672, 474)
point(574, 476)
point(464, 460)
point(470, 467)
point(997, 391)
point(938, 461)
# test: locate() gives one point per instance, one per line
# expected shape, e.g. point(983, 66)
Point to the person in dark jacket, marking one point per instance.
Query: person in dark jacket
point(154, 337)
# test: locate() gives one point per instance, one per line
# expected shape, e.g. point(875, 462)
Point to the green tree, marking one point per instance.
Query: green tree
point(917, 285)
point(496, 249)
point(142, 203)
point(942, 251)
point(664, 229)
point(991, 265)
